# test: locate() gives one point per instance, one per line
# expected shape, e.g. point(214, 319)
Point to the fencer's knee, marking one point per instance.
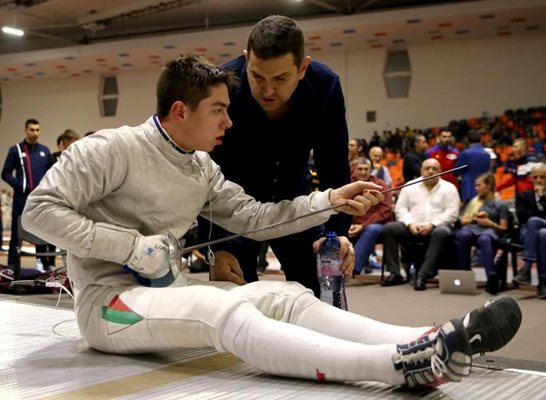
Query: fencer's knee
point(274, 299)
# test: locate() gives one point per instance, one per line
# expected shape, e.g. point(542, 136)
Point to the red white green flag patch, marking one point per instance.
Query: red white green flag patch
point(119, 316)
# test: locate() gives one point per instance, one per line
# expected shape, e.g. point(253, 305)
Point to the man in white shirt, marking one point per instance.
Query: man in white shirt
point(426, 211)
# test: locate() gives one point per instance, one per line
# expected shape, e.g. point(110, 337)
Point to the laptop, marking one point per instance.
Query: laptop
point(457, 281)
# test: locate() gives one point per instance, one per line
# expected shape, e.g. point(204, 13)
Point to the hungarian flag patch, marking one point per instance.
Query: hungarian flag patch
point(119, 316)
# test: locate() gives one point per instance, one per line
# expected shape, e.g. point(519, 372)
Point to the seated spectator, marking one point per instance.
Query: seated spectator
point(414, 157)
point(375, 140)
point(477, 162)
point(484, 221)
point(379, 170)
point(446, 154)
point(519, 167)
point(531, 212)
point(366, 229)
point(357, 149)
point(425, 211)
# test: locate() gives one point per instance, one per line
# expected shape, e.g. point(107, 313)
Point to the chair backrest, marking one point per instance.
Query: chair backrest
point(22, 234)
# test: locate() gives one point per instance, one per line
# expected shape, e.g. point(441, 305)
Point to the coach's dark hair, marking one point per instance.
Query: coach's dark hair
point(275, 36)
point(189, 79)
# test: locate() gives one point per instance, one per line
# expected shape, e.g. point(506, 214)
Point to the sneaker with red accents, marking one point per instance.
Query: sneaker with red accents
point(441, 355)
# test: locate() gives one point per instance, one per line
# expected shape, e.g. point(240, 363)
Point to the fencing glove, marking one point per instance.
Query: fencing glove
point(150, 257)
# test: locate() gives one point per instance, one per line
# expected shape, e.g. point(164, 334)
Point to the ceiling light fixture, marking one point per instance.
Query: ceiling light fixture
point(12, 31)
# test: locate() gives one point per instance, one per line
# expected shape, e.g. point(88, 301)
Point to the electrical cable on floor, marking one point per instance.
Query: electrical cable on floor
point(54, 327)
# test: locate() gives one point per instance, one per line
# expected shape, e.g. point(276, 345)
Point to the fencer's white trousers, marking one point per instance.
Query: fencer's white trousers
point(276, 327)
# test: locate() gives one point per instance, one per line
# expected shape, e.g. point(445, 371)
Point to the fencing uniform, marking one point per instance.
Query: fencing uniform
point(116, 183)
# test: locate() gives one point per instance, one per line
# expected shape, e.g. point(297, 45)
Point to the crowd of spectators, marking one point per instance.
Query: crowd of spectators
point(505, 163)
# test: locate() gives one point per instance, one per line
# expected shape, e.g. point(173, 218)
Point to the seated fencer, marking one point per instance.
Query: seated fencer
point(112, 199)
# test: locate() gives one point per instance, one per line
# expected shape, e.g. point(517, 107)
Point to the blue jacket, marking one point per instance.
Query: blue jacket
point(30, 163)
point(269, 159)
point(478, 161)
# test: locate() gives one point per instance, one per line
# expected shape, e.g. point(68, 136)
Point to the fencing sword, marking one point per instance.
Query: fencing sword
point(177, 251)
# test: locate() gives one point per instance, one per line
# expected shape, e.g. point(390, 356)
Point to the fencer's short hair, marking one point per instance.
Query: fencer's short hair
point(275, 36)
point(189, 79)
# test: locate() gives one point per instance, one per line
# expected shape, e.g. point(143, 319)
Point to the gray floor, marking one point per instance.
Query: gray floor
point(404, 306)
point(44, 356)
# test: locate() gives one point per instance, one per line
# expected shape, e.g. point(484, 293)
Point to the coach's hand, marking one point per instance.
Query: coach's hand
point(346, 253)
point(226, 268)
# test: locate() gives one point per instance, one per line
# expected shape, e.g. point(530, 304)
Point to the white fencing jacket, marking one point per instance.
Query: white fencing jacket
point(115, 183)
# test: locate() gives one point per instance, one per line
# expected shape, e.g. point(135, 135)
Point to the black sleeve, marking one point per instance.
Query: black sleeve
point(524, 208)
point(412, 167)
point(330, 152)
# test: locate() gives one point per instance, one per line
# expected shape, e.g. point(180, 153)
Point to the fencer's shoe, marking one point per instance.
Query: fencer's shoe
point(440, 355)
point(492, 325)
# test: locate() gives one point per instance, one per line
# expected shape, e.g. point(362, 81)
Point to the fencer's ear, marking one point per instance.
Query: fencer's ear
point(179, 110)
point(245, 54)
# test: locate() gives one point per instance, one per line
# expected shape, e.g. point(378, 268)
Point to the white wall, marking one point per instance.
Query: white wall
point(450, 80)
point(72, 103)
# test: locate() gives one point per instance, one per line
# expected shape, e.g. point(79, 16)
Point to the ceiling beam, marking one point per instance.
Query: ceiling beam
point(140, 9)
point(326, 5)
point(19, 4)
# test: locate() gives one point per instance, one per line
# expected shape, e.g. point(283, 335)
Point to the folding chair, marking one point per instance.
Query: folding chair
point(25, 236)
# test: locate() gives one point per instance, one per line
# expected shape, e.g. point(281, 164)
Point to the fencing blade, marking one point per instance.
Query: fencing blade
point(189, 249)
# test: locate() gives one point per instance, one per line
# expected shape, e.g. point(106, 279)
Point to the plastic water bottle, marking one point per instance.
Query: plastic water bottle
point(330, 275)
point(412, 274)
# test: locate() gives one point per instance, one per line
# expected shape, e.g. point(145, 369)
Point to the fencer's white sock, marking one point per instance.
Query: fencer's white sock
point(311, 313)
point(289, 350)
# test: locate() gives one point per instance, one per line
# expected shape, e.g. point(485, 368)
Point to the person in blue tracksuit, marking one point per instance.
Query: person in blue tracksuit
point(25, 166)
